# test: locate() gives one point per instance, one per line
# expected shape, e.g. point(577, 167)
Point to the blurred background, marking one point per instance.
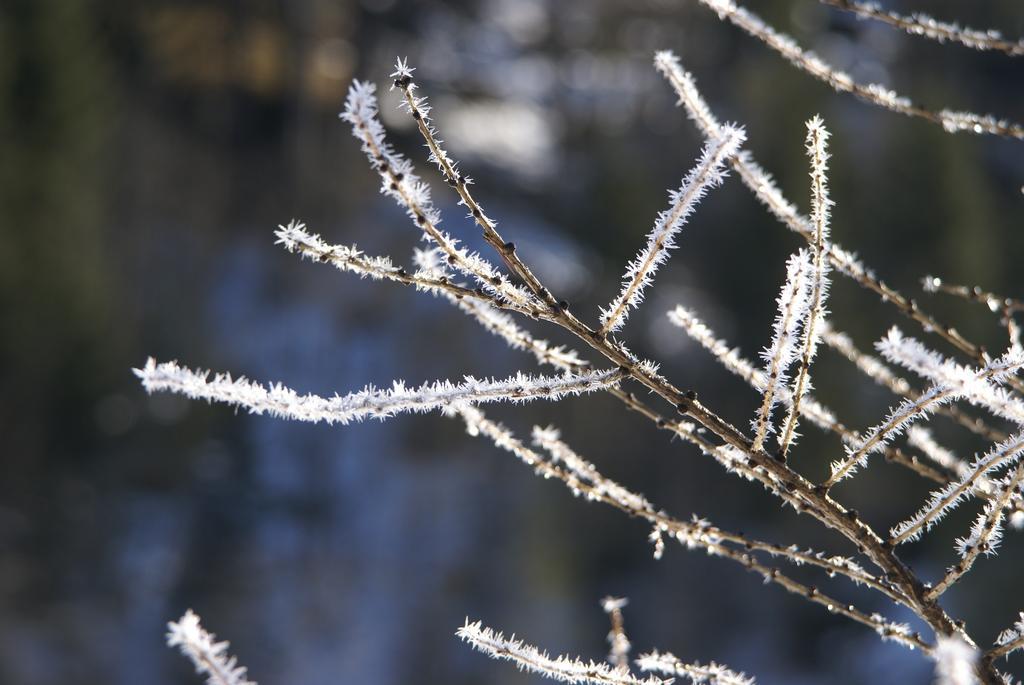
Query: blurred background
point(150, 148)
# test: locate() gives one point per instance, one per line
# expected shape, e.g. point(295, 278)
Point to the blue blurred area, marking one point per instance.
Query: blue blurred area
point(150, 148)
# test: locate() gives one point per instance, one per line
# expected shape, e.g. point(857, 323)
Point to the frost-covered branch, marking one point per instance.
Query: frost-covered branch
point(669, 665)
point(767, 191)
point(979, 390)
point(818, 414)
point(876, 370)
point(584, 480)
point(954, 382)
point(210, 657)
point(296, 238)
point(562, 668)
point(279, 401)
point(399, 181)
point(708, 173)
point(793, 304)
point(919, 24)
point(417, 106)
point(941, 501)
point(985, 535)
point(874, 93)
point(817, 151)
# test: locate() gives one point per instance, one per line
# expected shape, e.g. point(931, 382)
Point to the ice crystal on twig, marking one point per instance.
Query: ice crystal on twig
point(210, 657)
point(715, 674)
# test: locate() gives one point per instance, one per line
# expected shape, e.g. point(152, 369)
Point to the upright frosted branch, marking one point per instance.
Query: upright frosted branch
point(708, 173)
point(817, 151)
point(279, 401)
point(210, 657)
point(401, 183)
point(562, 668)
point(793, 303)
point(872, 92)
point(919, 24)
point(669, 665)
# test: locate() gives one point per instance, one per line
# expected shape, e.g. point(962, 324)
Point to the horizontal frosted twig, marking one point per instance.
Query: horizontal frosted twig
point(669, 665)
point(980, 391)
point(528, 658)
point(210, 657)
point(874, 93)
point(919, 24)
point(944, 499)
point(817, 151)
point(401, 183)
point(985, 535)
point(283, 402)
point(768, 193)
point(1009, 640)
point(793, 304)
point(708, 173)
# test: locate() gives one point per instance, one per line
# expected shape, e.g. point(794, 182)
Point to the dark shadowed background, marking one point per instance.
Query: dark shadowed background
point(150, 148)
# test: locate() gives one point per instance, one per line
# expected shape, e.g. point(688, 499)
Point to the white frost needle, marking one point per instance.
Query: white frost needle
point(944, 499)
point(279, 401)
point(793, 303)
point(954, 661)
point(210, 657)
point(919, 24)
point(708, 173)
point(668, 664)
point(399, 181)
point(562, 668)
point(1011, 639)
point(817, 151)
point(872, 92)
